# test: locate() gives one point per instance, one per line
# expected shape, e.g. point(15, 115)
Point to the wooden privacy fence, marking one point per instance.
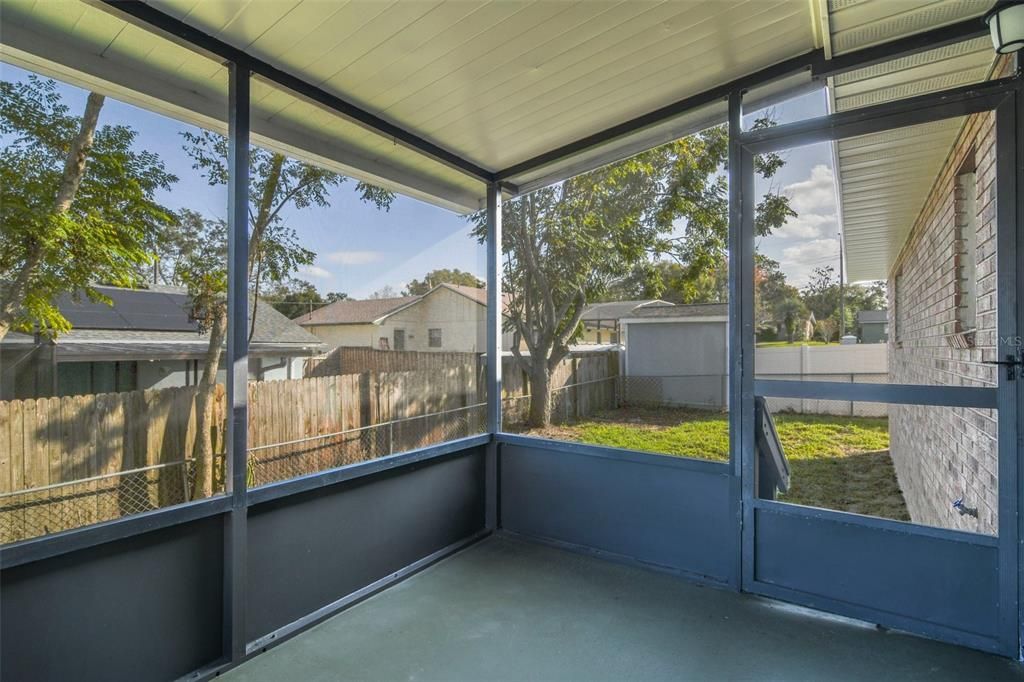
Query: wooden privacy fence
point(92, 458)
point(71, 461)
point(357, 359)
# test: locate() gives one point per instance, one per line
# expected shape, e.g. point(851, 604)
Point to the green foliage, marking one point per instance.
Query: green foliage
point(297, 297)
point(442, 276)
point(791, 313)
point(199, 266)
point(103, 237)
point(572, 243)
point(823, 293)
point(276, 183)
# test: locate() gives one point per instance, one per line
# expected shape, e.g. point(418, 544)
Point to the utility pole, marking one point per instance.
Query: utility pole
point(842, 292)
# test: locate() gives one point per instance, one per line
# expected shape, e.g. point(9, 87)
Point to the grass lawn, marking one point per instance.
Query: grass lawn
point(837, 463)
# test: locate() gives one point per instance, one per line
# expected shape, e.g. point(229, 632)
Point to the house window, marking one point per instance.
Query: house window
point(399, 339)
point(434, 338)
point(965, 248)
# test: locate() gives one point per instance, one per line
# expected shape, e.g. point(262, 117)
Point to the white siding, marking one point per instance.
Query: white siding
point(461, 320)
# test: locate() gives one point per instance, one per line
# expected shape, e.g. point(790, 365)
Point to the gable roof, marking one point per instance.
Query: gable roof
point(614, 310)
point(375, 310)
point(353, 311)
point(685, 310)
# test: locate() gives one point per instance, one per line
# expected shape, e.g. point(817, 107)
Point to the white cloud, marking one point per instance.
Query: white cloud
point(314, 271)
point(816, 194)
point(807, 226)
point(798, 262)
point(354, 257)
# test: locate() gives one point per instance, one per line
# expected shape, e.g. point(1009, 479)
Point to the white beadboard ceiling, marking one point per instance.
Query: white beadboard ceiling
point(494, 81)
point(884, 179)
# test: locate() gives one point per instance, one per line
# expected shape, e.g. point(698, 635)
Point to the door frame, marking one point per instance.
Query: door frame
point(1006, 98)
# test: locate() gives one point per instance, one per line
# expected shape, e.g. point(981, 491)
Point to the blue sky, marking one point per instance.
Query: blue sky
point(362, 249)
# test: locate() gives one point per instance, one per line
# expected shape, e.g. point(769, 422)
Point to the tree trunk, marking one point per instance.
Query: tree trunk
point(202, 451)
point(540, 396)
point(13, 295)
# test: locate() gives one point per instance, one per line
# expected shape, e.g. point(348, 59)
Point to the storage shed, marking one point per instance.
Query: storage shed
point(677, 355)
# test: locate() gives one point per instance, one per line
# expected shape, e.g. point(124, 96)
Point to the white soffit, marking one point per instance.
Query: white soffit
point(86, 46)
point(501, 81)
point(884, 179)
point(495, 81)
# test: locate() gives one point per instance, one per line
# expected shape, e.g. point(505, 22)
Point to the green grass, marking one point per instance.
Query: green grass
point(781, 344)
point(837, 463)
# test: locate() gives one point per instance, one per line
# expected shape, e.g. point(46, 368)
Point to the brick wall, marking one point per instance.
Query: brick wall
point(943, 453)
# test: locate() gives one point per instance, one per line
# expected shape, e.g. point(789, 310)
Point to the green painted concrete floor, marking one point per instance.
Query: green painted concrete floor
point(505, 609)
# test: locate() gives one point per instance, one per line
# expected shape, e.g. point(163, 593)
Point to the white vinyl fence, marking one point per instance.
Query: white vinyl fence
point(860, 364)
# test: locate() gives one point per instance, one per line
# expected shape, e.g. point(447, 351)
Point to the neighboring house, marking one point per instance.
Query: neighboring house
point(874, 326)
point(449, 317)
point(146, 339)
point(941, 271)
point(677, 355)
point(601, 320)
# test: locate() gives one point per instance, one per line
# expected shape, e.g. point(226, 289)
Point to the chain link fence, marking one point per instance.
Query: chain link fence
point(49, 509)
point(281, 461)
point(40, 511)
point(568, 403)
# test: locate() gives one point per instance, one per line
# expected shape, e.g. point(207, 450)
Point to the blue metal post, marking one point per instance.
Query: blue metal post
point(494, 321)
point(237, 360)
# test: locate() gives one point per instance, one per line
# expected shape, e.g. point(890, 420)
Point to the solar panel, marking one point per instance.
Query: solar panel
point(132, 309)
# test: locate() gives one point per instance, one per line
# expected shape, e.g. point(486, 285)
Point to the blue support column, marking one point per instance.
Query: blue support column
point(736, 289)
point(237, 361)
point(494, 322)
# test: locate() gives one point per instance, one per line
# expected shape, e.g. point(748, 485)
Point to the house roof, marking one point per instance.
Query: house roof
point(152, 323)
point(674, 311)
point(353, 311)
point(869, 316)
point(376, 310)
point(614, 310)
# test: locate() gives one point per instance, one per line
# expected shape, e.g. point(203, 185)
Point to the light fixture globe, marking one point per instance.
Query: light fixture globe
point(1006, 24)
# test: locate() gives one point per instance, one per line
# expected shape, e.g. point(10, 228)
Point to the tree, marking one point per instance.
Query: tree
point(276, 183)
point(294, 298)
point(334, 296)
point(77, 205)
point(791, 312)
point(386, 291)
point(568, 244)
point(200, 267)
point(822, 295)
point(669, 281)
point(442, 276)
point(770, 289)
